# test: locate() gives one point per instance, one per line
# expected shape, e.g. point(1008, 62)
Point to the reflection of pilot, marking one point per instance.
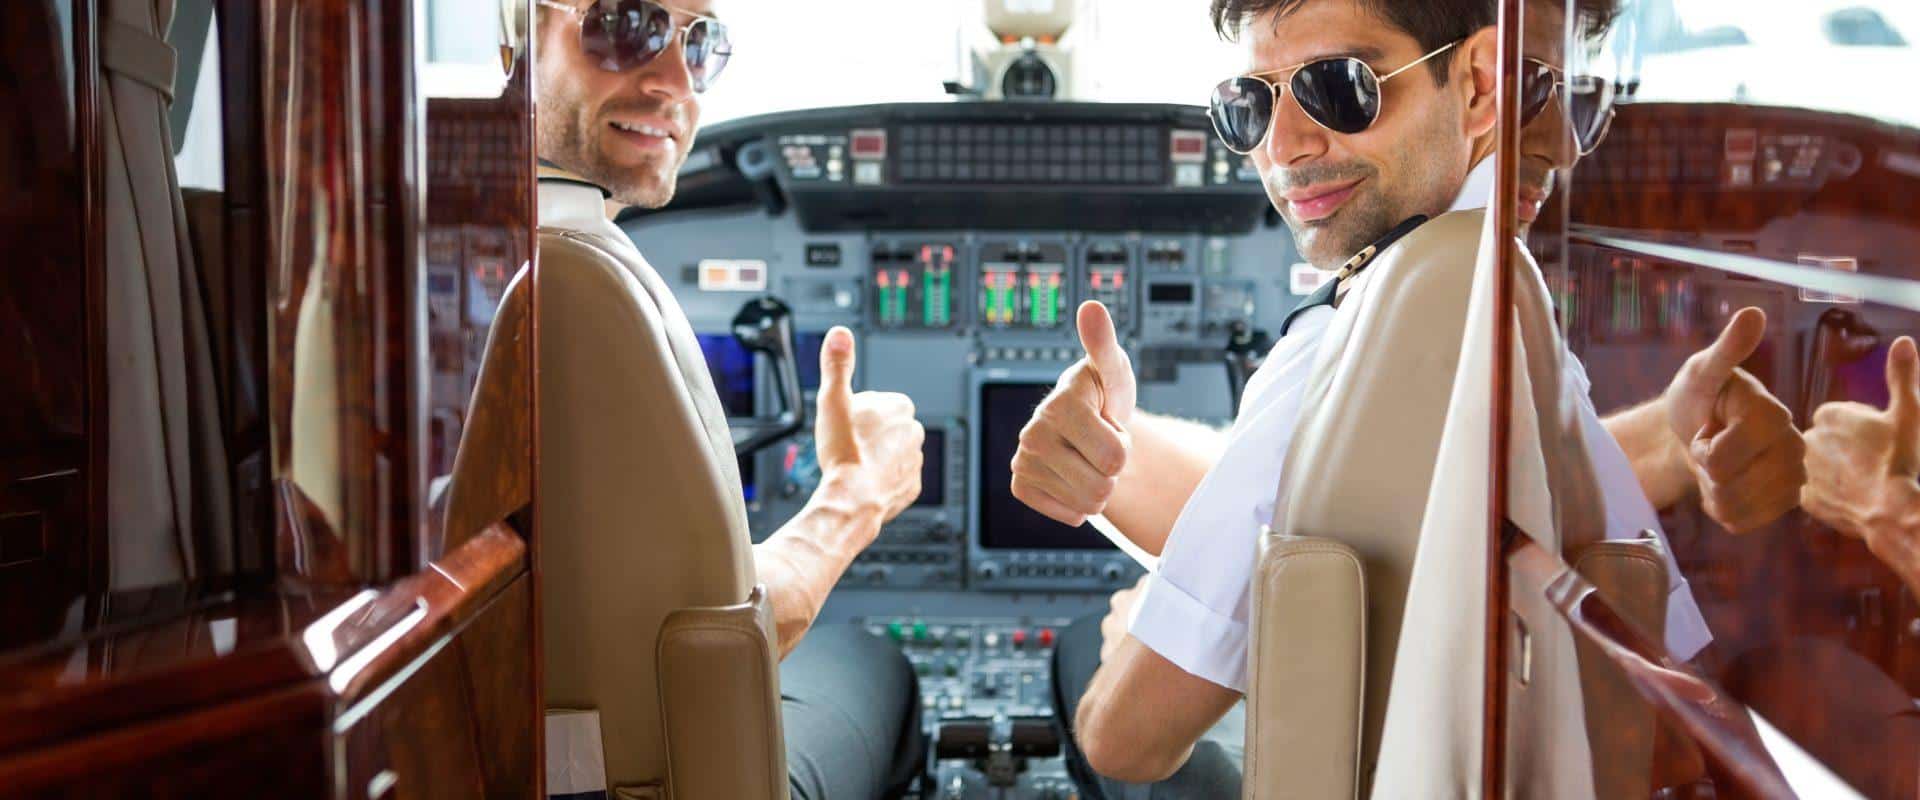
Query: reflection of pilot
point(622, 115)
point(1862, 464)
point(1171, 657)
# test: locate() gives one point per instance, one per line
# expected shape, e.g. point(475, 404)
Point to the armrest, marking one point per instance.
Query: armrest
point(1307, 671)
point(720, 702)
point(1631, 576)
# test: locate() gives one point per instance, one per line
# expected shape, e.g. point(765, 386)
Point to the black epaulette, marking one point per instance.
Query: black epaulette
point(1325, 294)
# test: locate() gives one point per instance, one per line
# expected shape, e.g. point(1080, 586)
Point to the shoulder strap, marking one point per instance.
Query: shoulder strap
point(1324, 296)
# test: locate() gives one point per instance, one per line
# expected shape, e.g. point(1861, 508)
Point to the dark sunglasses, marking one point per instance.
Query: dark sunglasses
point(1586, 100)
point(629, 34)
point(1343, 96)
point(1340, 94)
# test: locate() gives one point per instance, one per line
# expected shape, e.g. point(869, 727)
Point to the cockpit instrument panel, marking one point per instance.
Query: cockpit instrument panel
point(912, 285)
point(957, 241)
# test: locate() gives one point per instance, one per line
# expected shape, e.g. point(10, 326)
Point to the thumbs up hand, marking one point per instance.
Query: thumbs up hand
point(1073, 449)
point(1862, 463)
point(868, 443)
point(1738, 439)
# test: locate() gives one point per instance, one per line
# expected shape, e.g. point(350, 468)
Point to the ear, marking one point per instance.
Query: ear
point(1476, 71)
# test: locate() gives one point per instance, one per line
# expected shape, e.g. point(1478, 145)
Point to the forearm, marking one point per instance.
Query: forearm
point(800, 563)
point(1169, 457)
point(1658, 457)
point(1141, 715)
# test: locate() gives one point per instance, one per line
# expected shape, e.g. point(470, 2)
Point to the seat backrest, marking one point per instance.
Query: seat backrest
point(1370, 429)
point(651, 617)
point(1338, 566)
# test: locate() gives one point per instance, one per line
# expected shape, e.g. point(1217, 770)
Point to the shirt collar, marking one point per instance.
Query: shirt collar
point(570, 202)
point(1477, 192)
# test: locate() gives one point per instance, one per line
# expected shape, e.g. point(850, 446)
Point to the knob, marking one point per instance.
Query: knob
point(941, 532)
point(987, 570)
point(1112, 572)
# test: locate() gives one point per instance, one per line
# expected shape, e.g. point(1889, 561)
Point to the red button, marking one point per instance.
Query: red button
point(1019, 637)
point(1046, 637)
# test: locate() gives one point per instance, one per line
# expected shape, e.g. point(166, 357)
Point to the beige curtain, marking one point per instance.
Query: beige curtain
point(168, 488)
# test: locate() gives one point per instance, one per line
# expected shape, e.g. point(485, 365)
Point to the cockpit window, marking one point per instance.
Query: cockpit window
point(1861, 27)
point(790, 56)
point(1827, 55)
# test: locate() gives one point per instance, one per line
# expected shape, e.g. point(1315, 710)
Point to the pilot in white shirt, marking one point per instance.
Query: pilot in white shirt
point(1194, 608)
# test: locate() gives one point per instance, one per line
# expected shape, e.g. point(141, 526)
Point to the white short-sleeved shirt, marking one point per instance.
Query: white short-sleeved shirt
point(1194, 610)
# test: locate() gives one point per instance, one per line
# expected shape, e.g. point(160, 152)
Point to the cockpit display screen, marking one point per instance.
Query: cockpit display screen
point(933, 470)
point(806, 356)
point(731, 365)
point(1005, 522)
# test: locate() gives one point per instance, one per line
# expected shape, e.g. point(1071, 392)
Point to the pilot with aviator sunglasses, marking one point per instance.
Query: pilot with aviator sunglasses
point(618, 88)
point(1361, 132)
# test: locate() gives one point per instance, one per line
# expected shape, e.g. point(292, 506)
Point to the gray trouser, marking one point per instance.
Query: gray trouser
point(850, 709)
point(1211, 773)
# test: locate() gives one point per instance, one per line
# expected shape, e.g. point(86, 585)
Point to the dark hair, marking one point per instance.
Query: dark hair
point(1433, 23)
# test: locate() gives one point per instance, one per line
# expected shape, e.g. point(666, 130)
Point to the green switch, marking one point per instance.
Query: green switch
point(919, 631)
point(894, 631)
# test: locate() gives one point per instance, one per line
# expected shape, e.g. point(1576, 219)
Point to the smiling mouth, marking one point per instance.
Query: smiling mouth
point(1322, 205)
point(644, 130)
point(1529, 205)
point(643, 136)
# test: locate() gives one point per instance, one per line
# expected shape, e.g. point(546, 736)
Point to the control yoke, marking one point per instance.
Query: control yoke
point(1246, 348)
point(765, 326)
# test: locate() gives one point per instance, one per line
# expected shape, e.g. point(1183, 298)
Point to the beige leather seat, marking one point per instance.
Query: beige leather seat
point(1331, 588)
point(651, 617)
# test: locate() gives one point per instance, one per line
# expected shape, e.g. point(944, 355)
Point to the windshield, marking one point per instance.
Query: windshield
point(790, 56)
point(1829, 55)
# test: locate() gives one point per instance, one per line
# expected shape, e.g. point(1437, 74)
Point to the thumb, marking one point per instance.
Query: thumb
point(835, 400)
point(1903, 404)
point(1737, 342)
point(1110, 362)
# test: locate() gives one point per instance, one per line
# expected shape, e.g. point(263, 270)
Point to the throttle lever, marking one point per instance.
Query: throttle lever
point(765, 326)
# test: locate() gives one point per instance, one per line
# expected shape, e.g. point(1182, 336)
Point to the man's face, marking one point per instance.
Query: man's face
point(1341, 192)
point(1546, 143)
point(627, 131)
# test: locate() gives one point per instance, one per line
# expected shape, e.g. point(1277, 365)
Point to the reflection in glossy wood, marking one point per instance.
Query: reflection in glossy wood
point(379, 646)
point(51, 438)
point(338, 106)
point(1699, 176)
point(1699, 708)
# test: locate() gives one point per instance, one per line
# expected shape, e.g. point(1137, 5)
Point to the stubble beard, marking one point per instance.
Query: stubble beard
point(1326, 243)
point(1425, 186)
point(564, 141)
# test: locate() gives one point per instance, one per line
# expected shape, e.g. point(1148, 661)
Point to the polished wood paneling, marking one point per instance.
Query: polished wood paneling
point(1810, 629)
point(268, 745)
point(460, 687)
point(480, 236)
point(244, 233)
point(356, 647)
point(1674, 171)
point(471, 607)
point(49, 433)
point(338, 105)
